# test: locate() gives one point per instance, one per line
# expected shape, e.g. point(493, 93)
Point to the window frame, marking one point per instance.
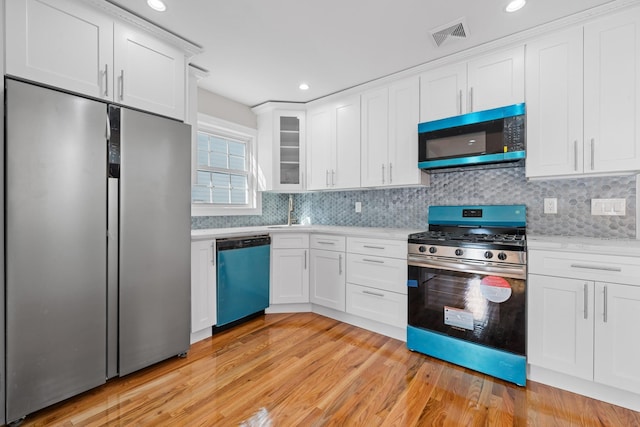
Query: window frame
point(216, 126)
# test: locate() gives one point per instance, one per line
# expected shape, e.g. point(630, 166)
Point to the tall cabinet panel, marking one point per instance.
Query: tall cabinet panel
point(55, 247)
point(155, 230)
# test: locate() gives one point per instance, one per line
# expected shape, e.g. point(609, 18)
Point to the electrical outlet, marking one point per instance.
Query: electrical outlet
point(358, 207)
point(609, 207)
point(551, 205)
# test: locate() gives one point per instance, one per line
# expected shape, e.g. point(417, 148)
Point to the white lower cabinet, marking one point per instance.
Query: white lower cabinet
point(377, 280)
point(203, 285)
point(582, 324)
point(327, 271)
point(289, 268)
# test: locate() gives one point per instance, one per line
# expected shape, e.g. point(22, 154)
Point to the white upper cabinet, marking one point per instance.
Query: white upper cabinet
point(77, 58)
point(583, 109)
point(281, 147)
point(390, 135)
point(333, 135)
point(150, 74)
point(71, 45)
point(489, 81)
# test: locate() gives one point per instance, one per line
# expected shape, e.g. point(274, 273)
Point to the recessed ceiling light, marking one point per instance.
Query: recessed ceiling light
point(157, 5)
point(515, 5)
point(303, 86)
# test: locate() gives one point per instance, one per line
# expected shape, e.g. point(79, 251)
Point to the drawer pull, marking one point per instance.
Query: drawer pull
point(323, 242)
point(377, 261)
point(375, 294)
point(373, 247)
point(596, 267)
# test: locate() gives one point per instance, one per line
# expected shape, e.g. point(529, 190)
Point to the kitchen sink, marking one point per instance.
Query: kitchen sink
point(288, 226)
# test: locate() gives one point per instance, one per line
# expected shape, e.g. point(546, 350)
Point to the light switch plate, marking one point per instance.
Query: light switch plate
point(609, 207)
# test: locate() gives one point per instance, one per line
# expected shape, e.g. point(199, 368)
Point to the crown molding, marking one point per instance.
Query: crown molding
point(190, 48)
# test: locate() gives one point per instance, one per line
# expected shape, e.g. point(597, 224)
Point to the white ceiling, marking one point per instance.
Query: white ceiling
point(261, 50)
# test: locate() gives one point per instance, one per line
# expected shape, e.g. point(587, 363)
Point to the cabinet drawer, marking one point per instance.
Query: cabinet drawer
point(375, 304)
point(605, 268)
point(388, 274)
point(329, 242)
point(289, 240)
point(377, 247)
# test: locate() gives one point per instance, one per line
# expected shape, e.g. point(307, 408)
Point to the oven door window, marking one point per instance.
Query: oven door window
point(482, 308)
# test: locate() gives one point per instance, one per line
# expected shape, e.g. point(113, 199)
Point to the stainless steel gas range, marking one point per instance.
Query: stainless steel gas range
point(467, 289)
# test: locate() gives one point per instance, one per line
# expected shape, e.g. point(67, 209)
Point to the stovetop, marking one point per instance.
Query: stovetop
point(460, 237)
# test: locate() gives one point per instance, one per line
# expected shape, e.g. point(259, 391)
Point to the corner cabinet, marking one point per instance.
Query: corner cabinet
point(580, 309)
point(281, 147)
point(203, 284)
point(390, 135)
point(333, 133)
point(327, 271)
point(94, 55)
point(583, 99)
point(489, 81)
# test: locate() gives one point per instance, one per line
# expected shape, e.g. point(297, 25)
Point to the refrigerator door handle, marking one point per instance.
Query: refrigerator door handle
point(112, 276)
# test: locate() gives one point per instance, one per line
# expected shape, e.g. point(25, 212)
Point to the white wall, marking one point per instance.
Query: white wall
point(220, 107)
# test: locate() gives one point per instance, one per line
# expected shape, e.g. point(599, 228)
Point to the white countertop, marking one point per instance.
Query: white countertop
point(373, 232)
point(625, 247)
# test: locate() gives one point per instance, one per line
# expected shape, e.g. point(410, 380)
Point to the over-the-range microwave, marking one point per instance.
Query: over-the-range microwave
point(481, 137)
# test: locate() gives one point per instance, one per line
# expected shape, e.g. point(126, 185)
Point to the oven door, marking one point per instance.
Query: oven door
point(472, 301)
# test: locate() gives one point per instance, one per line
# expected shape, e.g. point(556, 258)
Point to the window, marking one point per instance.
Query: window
point(224, 181)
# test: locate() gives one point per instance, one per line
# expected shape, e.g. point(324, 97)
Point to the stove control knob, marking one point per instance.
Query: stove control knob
point(459, 252)
point(488, 255)
point(433, 250)
point(422, 248)
point(502, 256)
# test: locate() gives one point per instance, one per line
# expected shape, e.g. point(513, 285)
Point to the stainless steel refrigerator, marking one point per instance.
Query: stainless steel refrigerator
point(97, 238)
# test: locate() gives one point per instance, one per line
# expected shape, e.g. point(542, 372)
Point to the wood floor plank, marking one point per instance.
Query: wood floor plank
point(308, 370)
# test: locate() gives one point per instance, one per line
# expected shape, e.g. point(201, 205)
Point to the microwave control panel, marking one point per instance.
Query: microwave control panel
point(513, 133)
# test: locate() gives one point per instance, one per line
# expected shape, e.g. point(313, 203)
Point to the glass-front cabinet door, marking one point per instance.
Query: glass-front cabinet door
point(290, 149)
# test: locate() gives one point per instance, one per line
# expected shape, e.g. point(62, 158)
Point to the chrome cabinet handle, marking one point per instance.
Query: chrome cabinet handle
point(373, 247)
point(106, 79)
point(121, 85)
point(586, 300)
point(340, 265)
point(575, 155)
point(383, 173)
point(471, 99)
point(327, 178)
point(390, 173)
point(604, 313)
point(333, 177)
point(373, 293)
point(460, 102)
point(596, 267)
point(326, 242)
point(213, 253)
point(593, 153)
point(377, 261)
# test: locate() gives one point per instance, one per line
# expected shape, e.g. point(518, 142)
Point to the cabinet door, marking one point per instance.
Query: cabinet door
point(203, 285)
point(554, 105)
point(404, 111)
point(150, 74)
point(327, 280)
point(60, 43)
point(346, 173)
point(289, 151)
point(289, 276)
point(375, 137)
point(560, 325)
point(379, 305)
point(443, 92)
point(496, 80)
point(612, 93)
point(320, 150)
point(617, 350)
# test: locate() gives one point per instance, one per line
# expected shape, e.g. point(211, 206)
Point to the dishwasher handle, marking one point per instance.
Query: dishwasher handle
point(242, 242)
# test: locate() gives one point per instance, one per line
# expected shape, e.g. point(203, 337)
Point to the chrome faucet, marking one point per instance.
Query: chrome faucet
point(290, 209)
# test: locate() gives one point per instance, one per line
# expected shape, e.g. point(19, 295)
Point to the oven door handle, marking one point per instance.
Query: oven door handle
point(479, 267)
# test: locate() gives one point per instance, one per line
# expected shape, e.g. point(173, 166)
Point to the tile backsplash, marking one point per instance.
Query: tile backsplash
point(407, 207)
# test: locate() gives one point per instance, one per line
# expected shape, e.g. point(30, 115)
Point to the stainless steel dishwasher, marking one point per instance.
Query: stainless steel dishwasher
point(243, 278)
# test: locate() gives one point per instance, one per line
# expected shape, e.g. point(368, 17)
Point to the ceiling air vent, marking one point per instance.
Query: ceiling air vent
point(456, 30)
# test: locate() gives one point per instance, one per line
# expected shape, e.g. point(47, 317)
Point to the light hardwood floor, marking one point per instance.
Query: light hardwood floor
point(307, 370)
